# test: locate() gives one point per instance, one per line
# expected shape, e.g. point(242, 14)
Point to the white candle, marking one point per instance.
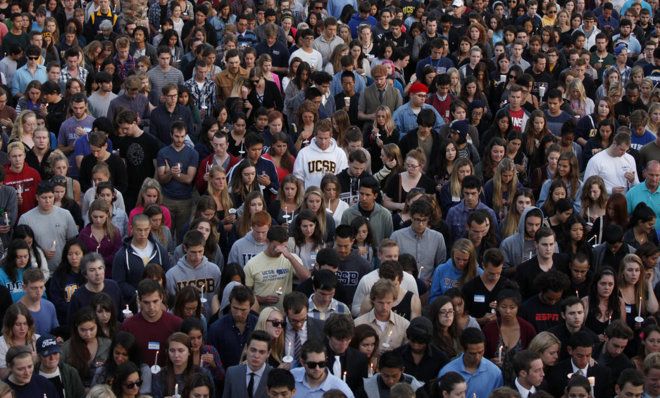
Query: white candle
point(343, 377)
point(639, 310)
point(499, 352)
point(6, 218)
point(156, 360)
point(176, 389)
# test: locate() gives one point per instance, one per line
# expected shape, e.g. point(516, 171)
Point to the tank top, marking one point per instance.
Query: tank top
point(404, 307)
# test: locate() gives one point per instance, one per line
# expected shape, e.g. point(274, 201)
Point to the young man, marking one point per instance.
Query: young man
point(162, 74)
point(542, 310)
point(132, 99)
point(348, 90)
point(377, 94)
point(614, 165)
point(139, 152)
point(546, 259)
point(380, 219)
point(611, 252)
point(405, 117)
point(42, 310)
point(382, 298)
point(75, 126)
point(580, 274)
point(640, 135)
point(52, 226)
point(440, 63)
point(20, 176)
point(92, 268)
point(421, 359)
point(555, 116)
point(351, 177)
point(64, 377)
point(28, 72)
point(202, 88)
point(299, 326)
point(177, 166)
point(123, 60)
point(270, 273)
point(481, 292)
point(322, 303)
point(327, 42)
point(219, 157)
point(169, 113)
point(630, 383)
point(518, 115)
point(528, 367)
point(611, 352)
point(129, 262)
point(313, 378)
point(457, 216)
point(252, 243)
point(152, 326)
point(56, 114)
point(425, 244)
point(281, 384)
point(73, 69)
point(194, 269)
point(472, 361)
point(99, 101)
point(580, 348)
point(306, 52)
point(249, 379)
point(22, 380)
point(230, 80)
point(321, 156)
point(573, 316)
point(390, 372)
point(98, 143)
point(37, 157)
point(345, 362)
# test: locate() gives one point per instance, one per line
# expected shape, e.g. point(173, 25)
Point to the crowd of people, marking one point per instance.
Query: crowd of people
point(330, 198)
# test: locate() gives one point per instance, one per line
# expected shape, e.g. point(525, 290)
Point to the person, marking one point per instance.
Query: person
point(42, 310)
point(20, 176)
point(306, 52)
point(528, 368)
point(92, 268)
point(380, 220)
point(300, 328)
point(546, 259)
point(483, 289)
point(455, 272)
point(152, 326)
point(53, 226)
point(352, 266)
point(231, 331)
point(406, 304)
point(542, 310)
point(313, 378)
point(614, 165)
point(647, 192)
point(275, 259)
point(611, 352)
point(390, 372)
point(422, 360)
point(17, 331)
point(98, 142)
point(651, 369)
point(63, 376)
point(28, 72)
point(348, 363)
point(66, 279)
point(194, 269)
point(253, 242)
point(611, 252)
point(580, 348)
point(405, 117)
point(129, 261)
point(123, 349)
point(383, 294)
point(572, 314)
point(250, 379)
point(457, 215)
point(377, 94)
point(630, 383)
point(22, 379)
point(481, 375)
point(17, 260)
point(322, 156)
point(100, 234)
point(281, 384)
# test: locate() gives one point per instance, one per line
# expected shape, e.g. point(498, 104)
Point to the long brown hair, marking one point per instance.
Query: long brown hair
point(224, 197)
point(102, 205)
point(168, 372)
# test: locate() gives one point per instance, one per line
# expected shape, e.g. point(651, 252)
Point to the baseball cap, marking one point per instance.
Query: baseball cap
point(420, 330)
point(457, 3)
point(618, 49)
point(47, 345)
point(460, 127)
point(418, 87)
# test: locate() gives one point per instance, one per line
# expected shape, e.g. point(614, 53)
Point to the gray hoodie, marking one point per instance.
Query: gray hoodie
point(205, 276)
point(244, 249)
point(372, 388)
point(513, 246)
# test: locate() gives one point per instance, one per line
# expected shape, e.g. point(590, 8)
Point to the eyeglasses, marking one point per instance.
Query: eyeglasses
point(134, 384)
point(447, 313)
point(277, 324)
point(411, 166)
point(33, 58)
point(314, 365)
point(420, 220)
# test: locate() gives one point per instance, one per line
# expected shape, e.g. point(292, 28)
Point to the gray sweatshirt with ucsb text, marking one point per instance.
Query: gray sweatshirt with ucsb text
point(205, 277)
point(244, 249)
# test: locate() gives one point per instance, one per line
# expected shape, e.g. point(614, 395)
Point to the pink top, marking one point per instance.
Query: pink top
point(167, 218)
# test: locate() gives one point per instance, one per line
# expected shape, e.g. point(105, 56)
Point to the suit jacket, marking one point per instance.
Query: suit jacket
point(356, 366)
point(369, 101)
point(315, 329)
point(236, 385)
point(557, 380)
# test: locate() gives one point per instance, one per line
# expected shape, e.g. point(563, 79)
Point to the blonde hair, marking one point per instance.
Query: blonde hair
point(389, 122)
point(277, 346)
point(542, 342)
point(17, 131)
point(149, 183)
point(454, 184)
point(321, 213)
point(640, 287)
point(576, 84)
point(467, 247)
point(225, 198)
point(505, 164)
point(100, 391)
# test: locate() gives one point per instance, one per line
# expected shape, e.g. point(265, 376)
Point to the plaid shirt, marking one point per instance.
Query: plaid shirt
point(66, 75)
point(204, 96)
point(154, 14)
point(123, 69)
point(335, 307)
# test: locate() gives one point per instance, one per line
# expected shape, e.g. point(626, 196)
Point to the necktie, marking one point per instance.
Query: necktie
point(250, 386)
point(297, 346)
point(381, 94)
point(336, 367)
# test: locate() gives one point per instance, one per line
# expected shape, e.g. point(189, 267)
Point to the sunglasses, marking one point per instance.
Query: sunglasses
point(277, 324)
point(134, 384)
point(255, 81)
point(314, 365)
point(33, 58)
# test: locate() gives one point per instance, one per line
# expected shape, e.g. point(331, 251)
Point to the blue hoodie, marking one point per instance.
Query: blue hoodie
point(445, 277)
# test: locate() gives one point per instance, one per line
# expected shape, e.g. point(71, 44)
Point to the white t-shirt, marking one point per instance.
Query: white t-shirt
point(612, 169)
point(314, 58)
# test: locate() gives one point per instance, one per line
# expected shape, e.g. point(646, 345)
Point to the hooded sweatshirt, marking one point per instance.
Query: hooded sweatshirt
point(205, 276)
point(313, 163)
point(515, 248)
point(244, 249)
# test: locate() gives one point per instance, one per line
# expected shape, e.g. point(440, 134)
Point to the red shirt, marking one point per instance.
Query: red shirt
point(27, 180)
point(152, 336)
point(517, 119)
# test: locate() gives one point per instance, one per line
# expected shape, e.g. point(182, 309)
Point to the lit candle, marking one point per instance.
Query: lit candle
point(6, 218)
point(610, 321)
point(343, 377)
point(176, 390)
point(499, 352)
point(156, 359)
point(639, 310)
point(371, 370)
point(577, 294)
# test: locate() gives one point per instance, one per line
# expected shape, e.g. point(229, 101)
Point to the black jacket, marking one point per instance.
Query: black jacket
point(354, 363)
point(557, 379)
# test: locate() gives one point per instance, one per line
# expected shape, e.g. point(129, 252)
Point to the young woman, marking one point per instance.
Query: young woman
point(523, 199)
point(382, 132)
point(106, 192)
point(128, 381)
point(203, 355)
point(501, 127)
point(603, 303)
point(450, 385)
point(31, 100)
point(306, 117)
point(265, 92)
point(568, 171)
point(445, 166)
point(66, 279)
point(24, 127)
point(298, 84)
point(179, 369)
point(394, 196)
point(650, 343)
point(151, 193)
point(289, 198)
point(66, 203)
point(243, 181)
point(123, 349)
point(334, 63)
point(293, 70)
point(106, 315)
point(331, 188)
point(15, 263)
point(463, 319)
point(501, 189)
point(615, 213)
point(636, 290)
point(100, 235)
point(37, 256)
point(556, 192)
point(641, 227)
point(271, 320)
point(212, 251)
point(535, 130)
point(280, 155)
point(547, 345)
point(307, 239)
point(366, 340)
point(580, 103)
point(254, 203)
point(314, 200)
point(509, 333)
point(578, 387)
point(361, 62)
point(390, 157)
point(493, 155)
point(218, 190)
point(86, 350)
point(18, 329)
point(59, 166)
point(364, 241)
point(159, 231)
point(601, 140)
point(460, 268)
point(450, 194)
point(445, 327)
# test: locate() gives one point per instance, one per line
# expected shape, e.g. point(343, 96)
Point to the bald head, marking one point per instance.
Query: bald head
point(652, 175)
